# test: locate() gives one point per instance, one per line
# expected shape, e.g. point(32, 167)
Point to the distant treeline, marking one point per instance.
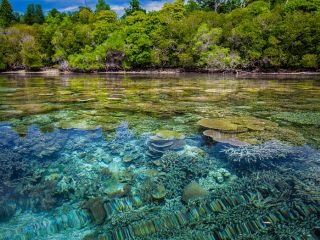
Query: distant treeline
point(193, 35)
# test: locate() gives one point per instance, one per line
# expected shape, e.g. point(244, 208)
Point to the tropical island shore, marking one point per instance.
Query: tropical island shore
point(196, 35)
point(56, 72)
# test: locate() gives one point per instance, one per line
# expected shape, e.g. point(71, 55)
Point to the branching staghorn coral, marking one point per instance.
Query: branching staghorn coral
point(307, 184)
point(123, 133)
point(181, 169)
point(262, 154)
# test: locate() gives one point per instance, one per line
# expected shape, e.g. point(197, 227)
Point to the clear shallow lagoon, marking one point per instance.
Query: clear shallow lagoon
point(159, 157)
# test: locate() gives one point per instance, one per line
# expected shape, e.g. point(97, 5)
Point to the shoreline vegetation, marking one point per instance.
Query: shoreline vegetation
point(56, 72)
point(203, 36)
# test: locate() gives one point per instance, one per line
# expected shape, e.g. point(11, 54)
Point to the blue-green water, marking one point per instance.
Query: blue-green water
point(159, 157)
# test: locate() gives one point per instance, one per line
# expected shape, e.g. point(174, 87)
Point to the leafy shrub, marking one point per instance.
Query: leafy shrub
point(31, 55)
point(220, 58)
point(309, 61)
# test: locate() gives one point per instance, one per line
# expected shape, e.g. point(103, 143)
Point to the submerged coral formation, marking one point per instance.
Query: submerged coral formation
point(221, 137)
point(76, 182)
point(303, 118)
point(193, 191)
point(165, 140)
point(260, 155)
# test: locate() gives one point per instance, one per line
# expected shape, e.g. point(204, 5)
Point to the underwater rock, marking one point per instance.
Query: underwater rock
point(236, 124)
point(222, 125)
point(165, 140)
point(114, 188)
point(194, 191)
point(220, 137)
point(159, 192)
point(90, 236)
point(96, 209)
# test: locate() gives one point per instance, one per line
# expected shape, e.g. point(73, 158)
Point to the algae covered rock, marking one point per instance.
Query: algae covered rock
point(159, 192)
point(217, 136)
point(237, 130)
point(235, 124)
point(165, 140)
point(95, 207)
point(193, 191)
point(223, 125)
point(302, 118)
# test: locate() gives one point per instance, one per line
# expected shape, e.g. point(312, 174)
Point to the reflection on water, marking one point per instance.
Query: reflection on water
point(174, 157)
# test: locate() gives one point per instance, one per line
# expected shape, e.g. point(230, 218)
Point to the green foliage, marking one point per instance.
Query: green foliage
point(219, 58)
point(116, 41)
point(102, 5)
point(13, 39)
point(34, 14)
point(134, 6)
point(2, 52)
point(303, 5)
point(85, 15)
point(191, 6)
point(206, 38)
point(103, 27)
point(309, 61)
point(95, 59)
point(175, 10)
point(6, 14)
point(221, 5)
point(30, 53)
point(208, 34)
point(89, 60)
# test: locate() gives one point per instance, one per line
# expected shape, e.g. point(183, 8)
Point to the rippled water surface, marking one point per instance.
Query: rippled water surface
point(159, 157)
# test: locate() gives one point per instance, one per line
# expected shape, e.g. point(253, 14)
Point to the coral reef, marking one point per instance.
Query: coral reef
point(224, 138)
point(303, 118)
point(126, 194)
point(262, 155)
point(165, 140)
point(180, 169)
point(41, 227)
point(216, 178)
point(204, 215)
point(222, 125)
point(236, 124)
point(123, 133)
point(193, 191)
point(96, 209)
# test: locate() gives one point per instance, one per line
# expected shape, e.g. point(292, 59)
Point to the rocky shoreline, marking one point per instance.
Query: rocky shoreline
point(54, 71)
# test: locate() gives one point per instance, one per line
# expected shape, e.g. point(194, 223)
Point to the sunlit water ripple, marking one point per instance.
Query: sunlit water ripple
point(159, 157)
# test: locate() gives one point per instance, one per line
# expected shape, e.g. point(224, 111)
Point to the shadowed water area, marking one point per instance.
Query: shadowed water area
point(159, 157)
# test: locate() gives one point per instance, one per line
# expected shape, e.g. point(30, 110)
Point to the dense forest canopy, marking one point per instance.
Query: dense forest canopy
point(198, 34)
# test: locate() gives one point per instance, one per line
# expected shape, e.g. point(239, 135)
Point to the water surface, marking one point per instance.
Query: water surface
point(159, 157)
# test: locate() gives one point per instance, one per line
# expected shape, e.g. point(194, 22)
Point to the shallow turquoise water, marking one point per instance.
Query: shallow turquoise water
point(159, 157)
